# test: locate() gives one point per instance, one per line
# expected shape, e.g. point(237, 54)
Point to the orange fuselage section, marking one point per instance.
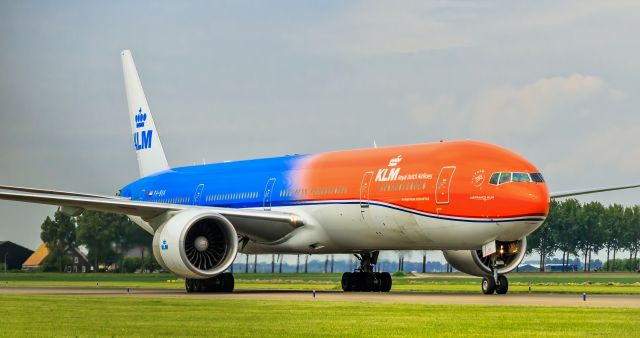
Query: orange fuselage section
point(445, 178)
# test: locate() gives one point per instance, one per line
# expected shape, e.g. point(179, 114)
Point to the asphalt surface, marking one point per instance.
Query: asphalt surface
point(338, 296)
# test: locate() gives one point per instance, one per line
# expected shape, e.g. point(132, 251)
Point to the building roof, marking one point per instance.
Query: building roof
point(38, 256)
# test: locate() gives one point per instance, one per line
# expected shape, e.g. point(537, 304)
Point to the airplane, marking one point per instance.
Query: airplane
point(475, 201)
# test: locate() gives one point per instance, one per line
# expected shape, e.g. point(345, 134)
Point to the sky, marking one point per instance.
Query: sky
point(554, 81)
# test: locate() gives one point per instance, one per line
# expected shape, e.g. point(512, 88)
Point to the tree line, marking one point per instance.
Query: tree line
point(583, 230)
point(106, 236)
point(571, 228)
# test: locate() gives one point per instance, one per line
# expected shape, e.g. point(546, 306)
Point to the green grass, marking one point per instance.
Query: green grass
point(139, 316)
point(592, 283)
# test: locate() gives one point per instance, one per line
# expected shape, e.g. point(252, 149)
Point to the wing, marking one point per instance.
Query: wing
point(258, 225)
point(55, 192)
point(569, 193)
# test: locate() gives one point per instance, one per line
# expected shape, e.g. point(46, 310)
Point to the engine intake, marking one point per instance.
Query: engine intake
point(508, 257)
point(196, 244)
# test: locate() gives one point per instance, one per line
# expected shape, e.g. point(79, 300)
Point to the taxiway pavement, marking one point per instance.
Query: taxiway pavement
point(338, 296)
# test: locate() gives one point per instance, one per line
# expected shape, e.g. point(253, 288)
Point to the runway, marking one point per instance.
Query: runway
point(338, 296)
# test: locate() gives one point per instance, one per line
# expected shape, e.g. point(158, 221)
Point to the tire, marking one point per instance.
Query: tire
point(188, 285)
point(488, 285)
point(347, 278)
point(197, 285)
point(386, 280)
point(358, 281)
point(503, 285)
point(376, 282)
point(228, 282)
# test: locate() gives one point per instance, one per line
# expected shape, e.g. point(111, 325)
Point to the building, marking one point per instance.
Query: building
point(12, 255)
point(79, 262)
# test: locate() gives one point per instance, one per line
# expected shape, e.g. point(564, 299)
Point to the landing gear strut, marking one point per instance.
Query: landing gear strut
point(364, 278)
point(495, 283)
point(221, 283)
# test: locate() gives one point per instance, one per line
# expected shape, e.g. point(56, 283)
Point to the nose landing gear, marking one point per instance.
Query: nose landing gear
point(364, 278)
point(498, 285)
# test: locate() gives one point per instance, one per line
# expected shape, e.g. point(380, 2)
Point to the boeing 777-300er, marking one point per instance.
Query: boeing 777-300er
point(475, 201)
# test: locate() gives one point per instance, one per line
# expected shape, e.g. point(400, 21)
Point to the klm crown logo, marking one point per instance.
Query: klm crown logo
point(164, 245)
point(142, 139)
point(140, 118)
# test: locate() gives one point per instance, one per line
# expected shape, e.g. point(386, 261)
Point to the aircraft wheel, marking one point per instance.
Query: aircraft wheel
point(386, 280)
point(188, 284)
point(503, 285)
point(376, 282)
point(347, 283)
point(488, 285)
point(228, 282)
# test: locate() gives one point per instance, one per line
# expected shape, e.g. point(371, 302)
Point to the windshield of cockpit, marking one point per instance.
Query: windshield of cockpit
point(508, 177)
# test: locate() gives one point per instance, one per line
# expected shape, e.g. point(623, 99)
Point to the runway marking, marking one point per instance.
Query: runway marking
point(513, 299)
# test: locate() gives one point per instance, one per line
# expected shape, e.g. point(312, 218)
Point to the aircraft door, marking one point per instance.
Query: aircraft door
point(365, 186)
point(196, 196)
point(444, 184)
point(268, 189)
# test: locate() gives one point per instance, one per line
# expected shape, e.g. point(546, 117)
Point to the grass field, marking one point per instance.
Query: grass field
point(136, 316)
point(592, 283)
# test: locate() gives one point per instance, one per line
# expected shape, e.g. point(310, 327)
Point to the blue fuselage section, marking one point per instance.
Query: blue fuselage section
point(241, 184)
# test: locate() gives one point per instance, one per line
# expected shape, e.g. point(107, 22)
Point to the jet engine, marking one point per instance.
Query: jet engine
point(196, 244)
point(506, 259)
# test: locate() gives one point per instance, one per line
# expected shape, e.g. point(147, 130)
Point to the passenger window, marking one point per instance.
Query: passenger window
point(521, 177)
point(504, 178)
point(494, 178)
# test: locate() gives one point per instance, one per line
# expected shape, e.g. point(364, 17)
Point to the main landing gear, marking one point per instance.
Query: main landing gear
point(364, 278)
point(223, 282)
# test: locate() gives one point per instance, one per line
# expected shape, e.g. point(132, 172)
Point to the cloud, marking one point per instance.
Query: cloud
point(377, 28)
point(610, 154)
point(510, 109)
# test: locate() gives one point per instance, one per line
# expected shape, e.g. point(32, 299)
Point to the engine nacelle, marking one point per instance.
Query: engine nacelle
point(508, 256)
point(196, 244)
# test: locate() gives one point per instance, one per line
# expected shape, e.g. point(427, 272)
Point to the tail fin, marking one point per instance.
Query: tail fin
point(146, 141)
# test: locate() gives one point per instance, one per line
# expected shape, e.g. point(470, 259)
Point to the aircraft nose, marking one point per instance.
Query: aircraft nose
point(538, 199)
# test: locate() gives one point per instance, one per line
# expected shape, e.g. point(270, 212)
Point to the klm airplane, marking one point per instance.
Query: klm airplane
point(475, 201)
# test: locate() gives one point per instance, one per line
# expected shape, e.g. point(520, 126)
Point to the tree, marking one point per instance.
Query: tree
point(59, 235)
point(590, 234)
point(634, 236)
point(95, 232)
point(543, 240)
point(631, 233)
point(306, 263)
point(569, 214)
point(614, 225)
point(109, 236)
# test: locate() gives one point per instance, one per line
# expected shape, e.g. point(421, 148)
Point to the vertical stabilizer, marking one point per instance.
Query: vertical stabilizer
point(146, 140)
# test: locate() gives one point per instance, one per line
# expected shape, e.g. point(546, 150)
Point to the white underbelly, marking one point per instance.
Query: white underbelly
point(345, 228)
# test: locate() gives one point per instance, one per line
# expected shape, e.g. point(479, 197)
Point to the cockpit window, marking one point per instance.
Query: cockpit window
point(494, 178)
point(537, 177)
point(521, 177)
point(504, 178)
